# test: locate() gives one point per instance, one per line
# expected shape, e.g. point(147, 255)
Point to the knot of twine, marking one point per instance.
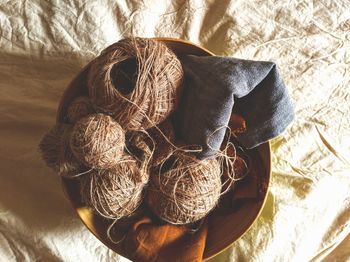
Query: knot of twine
point(137, 81)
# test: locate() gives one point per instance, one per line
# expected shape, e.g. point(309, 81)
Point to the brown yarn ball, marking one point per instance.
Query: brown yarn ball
point(50, 145)
point(185, 189)
point(56, 153)
point(137, 81)
point(116, 192)
point(97, 141)
point(79, 108)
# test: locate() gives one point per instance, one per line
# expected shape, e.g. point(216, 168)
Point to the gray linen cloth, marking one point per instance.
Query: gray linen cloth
point(215, 85)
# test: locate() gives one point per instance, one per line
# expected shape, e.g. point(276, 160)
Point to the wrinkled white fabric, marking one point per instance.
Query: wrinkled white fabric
point(43, 44)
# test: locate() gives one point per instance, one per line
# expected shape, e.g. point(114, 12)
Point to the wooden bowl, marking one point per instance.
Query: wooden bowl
point(224, 227)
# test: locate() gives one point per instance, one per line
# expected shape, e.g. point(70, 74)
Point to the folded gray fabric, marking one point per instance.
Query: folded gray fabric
point(214, 85)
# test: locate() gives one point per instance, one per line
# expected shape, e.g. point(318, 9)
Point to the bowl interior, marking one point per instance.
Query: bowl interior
point(224, 227)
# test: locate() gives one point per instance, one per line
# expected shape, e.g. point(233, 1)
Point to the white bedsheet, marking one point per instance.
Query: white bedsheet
point(43, 44)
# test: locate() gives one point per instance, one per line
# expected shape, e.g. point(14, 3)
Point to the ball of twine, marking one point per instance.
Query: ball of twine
point(56, 153)
point(114, 193)
point(98, 141)
point(137, 81)
point(79, 108)
point(185, 190)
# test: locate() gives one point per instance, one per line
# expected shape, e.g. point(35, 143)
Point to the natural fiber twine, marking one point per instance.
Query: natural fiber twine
point(98, 141)
point(234, 162)
point(137, 81)
point(185, 189)
point(79, 108)
point(152, 146)
point(117, 192)
point(164, 139)
point(56, 153)
point(139, 145)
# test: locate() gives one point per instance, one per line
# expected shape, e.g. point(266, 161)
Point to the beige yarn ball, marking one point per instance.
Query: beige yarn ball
point(116, 192)
point(98, 141)
point(56, 152)
point(137, 81)
point(185, 190)
point(79, 108)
